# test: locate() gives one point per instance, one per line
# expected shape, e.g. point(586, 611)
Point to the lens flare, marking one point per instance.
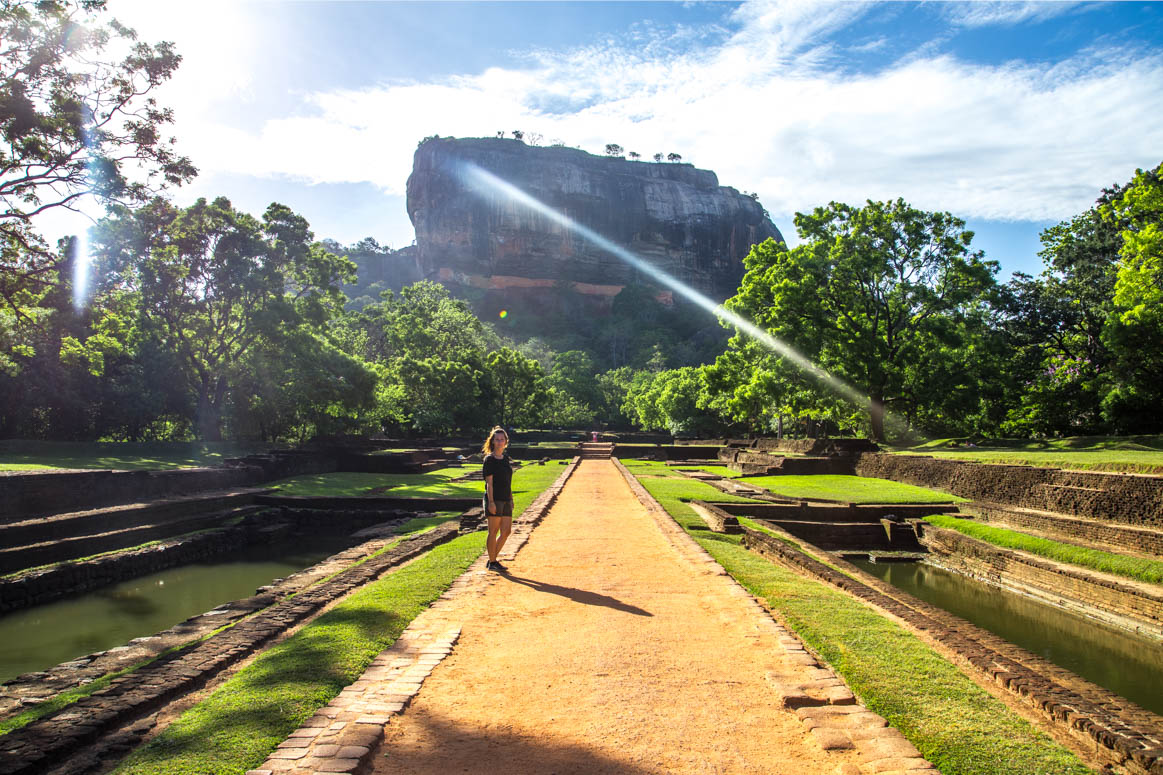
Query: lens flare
point(483, 181)
point(503, 313)
point(88, 208)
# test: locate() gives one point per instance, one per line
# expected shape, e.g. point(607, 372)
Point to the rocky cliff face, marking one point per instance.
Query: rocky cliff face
point(674, 216)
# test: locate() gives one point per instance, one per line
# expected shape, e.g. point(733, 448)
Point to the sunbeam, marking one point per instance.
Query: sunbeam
point(481, 180)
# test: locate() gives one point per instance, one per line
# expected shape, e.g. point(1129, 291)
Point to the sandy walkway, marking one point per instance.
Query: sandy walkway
point(606, 650)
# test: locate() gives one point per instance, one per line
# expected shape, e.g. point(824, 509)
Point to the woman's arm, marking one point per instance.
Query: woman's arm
point(489, 494)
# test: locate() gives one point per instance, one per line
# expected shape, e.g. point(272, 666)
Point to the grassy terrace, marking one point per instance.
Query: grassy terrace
point(430, 484)
point(242, 721)
point(40, 455)
point(850, 489)
point(1140, 569)
point(955, 723)
point(1135, 454)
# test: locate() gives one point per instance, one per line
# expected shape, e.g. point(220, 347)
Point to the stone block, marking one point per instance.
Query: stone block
point(832, 739)
point(288, 753)
point(886, 748)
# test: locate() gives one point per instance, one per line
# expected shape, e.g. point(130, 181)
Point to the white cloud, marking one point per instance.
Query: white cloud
point(764, 108)
point(978, 13)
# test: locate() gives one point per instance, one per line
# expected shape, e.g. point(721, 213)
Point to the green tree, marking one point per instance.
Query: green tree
point(74, 121)
point(866, 292)
point(613, 149)
point(432, 349)
point(673, 401)
point(215, 284)
point(516, 383)
point(573, 374)
point(1135, 328)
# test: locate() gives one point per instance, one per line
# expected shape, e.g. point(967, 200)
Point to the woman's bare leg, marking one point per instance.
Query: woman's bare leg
point(506, 528)
point(492, 543)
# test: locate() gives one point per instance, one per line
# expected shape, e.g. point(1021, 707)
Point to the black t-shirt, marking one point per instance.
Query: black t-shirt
point(502, 472)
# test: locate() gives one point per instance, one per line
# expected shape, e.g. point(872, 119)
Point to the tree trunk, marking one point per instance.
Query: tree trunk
point(210, 411)
point(876, 414)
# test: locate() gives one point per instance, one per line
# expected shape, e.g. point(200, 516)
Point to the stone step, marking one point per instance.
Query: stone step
point(16, 558)
point(98, 521)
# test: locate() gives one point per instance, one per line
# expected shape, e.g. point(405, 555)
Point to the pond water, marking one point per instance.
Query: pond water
point(41, 637)
point(1127, 664)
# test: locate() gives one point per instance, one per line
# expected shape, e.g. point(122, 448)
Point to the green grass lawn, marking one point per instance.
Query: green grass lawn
point(660, 468)
point(851, 489)
point(242, 721)
point(1141, 454)
point(956, 724)
point(1137, 568)
point(18, 455)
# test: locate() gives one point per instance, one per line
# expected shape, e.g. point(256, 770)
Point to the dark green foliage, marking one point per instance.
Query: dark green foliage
point(1087, 332)
point(74, 120)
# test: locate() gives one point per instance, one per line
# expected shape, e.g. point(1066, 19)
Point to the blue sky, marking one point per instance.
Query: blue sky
point(1010, 115)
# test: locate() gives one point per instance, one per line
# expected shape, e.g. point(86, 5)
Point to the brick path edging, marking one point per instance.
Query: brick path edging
point(343, 736)
point(824, 703)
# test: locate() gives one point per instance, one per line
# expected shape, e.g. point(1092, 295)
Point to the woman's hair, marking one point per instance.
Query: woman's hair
point(487, 448)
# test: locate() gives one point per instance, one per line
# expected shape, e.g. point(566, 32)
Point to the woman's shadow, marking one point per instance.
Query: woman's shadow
point(579, 595)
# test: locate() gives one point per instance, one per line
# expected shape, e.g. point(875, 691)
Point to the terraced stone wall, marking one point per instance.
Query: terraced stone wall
point(28, 494)
point(1123, 605)
point(1127, 499)
point(1089, 532)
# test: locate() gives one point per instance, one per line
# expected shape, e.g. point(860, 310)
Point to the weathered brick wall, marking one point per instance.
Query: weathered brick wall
point(1124, 605)
point(806, 446)
point(667, 452)
point(1129, 499)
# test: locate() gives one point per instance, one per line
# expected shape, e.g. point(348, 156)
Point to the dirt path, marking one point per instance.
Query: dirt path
point(607, 649)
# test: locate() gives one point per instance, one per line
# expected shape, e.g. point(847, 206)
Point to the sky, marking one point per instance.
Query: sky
point(1011, 115)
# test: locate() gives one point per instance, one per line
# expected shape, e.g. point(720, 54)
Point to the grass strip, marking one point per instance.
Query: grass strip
point(1138, 568)
point(956, 724)
point(850, 489)
point(237, 726)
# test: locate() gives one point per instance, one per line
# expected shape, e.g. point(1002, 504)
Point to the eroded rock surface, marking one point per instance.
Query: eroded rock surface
point(674, 216)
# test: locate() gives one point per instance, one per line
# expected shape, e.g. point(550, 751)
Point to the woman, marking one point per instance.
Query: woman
point(498, 472)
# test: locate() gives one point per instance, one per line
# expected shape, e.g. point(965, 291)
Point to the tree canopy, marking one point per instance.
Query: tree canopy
point(868, 292)
point(75, 119)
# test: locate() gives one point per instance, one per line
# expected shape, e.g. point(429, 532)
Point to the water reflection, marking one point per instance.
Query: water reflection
point(41, 637)
point(1127, 664)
